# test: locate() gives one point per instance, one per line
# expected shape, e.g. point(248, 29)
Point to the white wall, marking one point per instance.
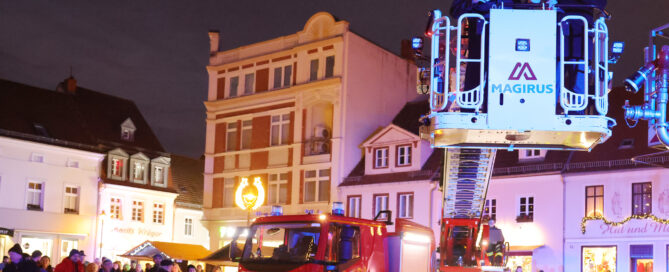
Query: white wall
point(546, 228)
point(121, 235)
point(17, 169)
point(422, 191)
point(200, 234)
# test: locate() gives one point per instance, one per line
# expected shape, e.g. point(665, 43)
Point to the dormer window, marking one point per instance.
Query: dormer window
point(158, 174)
point(159, 171)
point(381, 157)
point(128, 130)
point(404, 155)
point(117, 167)
point(138, 164)
point(138, 171)
point(117, 160)
point(531, 154)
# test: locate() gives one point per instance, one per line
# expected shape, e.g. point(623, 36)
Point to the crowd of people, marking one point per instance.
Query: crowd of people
point(18, 261)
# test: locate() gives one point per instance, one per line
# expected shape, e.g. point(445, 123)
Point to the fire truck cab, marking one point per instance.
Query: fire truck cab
point(334, 242)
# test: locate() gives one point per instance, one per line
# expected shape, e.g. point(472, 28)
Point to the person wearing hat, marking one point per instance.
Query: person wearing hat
point(15, 258)
point(156, 263)
point(29, 264)
point(71, 264)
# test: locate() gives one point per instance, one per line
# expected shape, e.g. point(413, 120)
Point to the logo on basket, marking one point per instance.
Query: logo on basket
point(522, 69)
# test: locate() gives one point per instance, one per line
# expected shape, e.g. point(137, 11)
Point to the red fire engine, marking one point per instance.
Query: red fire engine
point(334, 242)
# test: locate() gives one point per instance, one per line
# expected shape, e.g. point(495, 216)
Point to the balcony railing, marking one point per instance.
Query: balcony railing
point(317, 146)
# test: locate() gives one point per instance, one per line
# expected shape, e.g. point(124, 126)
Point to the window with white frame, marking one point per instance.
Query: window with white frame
point(381, 157)
point(116, 167)
point(231, 137)
point(404, 155)
point(317, 185)
point(34, 196)
point(159, 175)
point(137, 211)
point(353, 209)
point(72, 164)
point(234, 86)
point(248, 83)
point(525, 209)
point(115, 208)
point(380, 204)
point(158, 213)
point(228, 192)
point(71, 199)
point(282, 76)
point(329, 66)
point(490, 209)
point(127, 134)
point(278, 188)
point(280, 129)
point(138, 170)
point(405, 205)
point(247, 130)
point(188, 226)
point(36, 157)
point(531, 154)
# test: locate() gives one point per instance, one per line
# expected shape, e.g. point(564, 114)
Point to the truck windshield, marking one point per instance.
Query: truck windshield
point(289, 242)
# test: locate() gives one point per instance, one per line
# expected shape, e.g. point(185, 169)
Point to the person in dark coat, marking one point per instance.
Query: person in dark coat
point(70, 264)
point(156, 263)
point(15, 258)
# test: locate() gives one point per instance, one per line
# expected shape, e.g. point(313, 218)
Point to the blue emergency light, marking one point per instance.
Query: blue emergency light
point(618, 47)
point(417, 43)
point(277, 210)
point(338, 208)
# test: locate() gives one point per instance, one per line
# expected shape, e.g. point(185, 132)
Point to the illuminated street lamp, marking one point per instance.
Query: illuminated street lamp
point(249, 199)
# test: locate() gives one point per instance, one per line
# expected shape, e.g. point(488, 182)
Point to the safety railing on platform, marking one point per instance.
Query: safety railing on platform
point(572, 100)
point(439, 60)
point(601, 32)
point(473, 98)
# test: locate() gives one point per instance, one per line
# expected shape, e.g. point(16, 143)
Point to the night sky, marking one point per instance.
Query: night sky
point(155, 52)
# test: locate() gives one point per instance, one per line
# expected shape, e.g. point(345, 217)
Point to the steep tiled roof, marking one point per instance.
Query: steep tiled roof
point(408, 117)
point(84, 119)
point(188, 181)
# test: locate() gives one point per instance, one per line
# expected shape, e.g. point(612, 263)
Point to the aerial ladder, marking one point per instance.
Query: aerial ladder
point(523, 91)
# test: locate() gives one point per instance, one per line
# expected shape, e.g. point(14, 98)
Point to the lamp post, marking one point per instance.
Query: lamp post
point(248, 200)
point(103, 215)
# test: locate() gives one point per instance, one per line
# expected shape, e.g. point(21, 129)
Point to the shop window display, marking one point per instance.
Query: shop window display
point(599, 259)
point(523, 261)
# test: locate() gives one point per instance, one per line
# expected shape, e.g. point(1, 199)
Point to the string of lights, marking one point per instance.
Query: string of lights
point(584, 220)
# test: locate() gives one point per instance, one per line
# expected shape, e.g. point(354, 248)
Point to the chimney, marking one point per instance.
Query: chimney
point(71, 85)
point(406, 51)
point(214, 41)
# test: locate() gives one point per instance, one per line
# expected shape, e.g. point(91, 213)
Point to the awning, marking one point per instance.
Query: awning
point(177, 251)
point(522, 250)
point(221, 256)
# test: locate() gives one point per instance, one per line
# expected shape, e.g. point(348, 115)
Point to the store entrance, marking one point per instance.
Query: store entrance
point(641, 258)
point(642, 265)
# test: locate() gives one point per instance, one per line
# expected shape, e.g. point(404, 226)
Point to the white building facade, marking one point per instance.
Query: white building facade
point(633, 232)
point(48, 197)
point(292, 111)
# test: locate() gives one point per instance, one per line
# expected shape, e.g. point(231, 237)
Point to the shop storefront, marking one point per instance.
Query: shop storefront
point(6, 240)
point(56, 246)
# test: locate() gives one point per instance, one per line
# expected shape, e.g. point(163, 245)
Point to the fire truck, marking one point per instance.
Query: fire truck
point(334, 242)
point(509, 79)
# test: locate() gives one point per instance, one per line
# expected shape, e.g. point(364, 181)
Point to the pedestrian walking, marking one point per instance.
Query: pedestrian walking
point(156, 263)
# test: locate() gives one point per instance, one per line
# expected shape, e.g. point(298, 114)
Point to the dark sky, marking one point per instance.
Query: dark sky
point(155, 52)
